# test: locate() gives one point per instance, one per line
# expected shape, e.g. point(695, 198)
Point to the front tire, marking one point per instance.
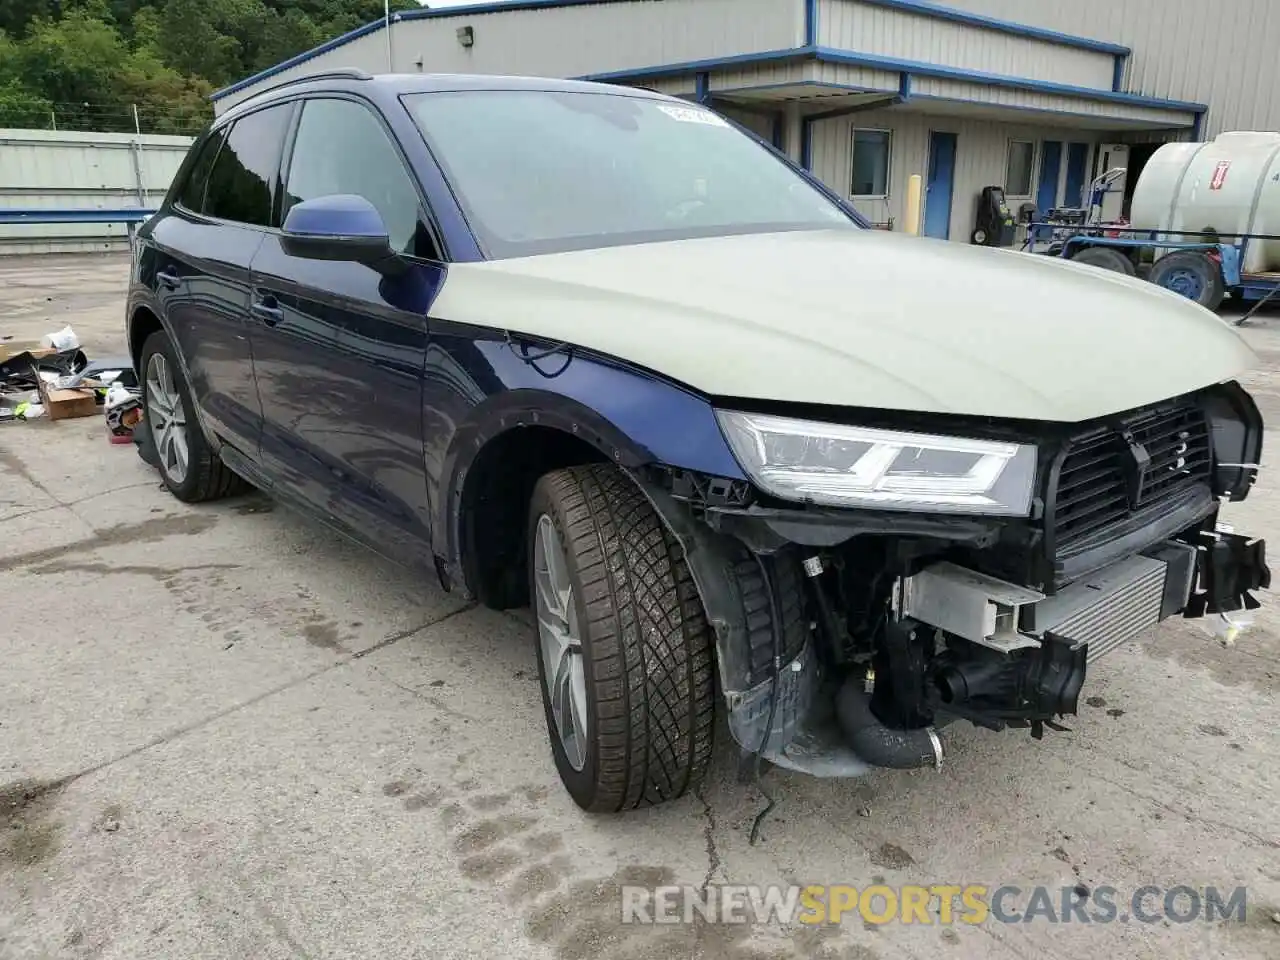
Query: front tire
point(624, 649)
point(189, 467)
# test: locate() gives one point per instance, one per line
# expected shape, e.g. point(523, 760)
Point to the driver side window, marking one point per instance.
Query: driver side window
point(342, 148)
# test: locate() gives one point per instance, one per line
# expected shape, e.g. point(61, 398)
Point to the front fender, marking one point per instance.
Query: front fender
point(631, 416)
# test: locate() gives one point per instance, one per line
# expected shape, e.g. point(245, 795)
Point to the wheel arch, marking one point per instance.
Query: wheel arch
point(516, 436)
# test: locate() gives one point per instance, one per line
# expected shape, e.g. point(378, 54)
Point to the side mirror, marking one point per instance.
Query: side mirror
point(337, 227)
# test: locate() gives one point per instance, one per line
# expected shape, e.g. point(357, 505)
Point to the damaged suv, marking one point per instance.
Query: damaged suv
point(601, 352)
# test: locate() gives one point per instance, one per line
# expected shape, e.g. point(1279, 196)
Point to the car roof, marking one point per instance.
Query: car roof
point(397, 84)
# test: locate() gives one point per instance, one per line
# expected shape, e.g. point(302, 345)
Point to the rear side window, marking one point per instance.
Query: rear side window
point(242, 183)
point(341, 147)
point(192, 194)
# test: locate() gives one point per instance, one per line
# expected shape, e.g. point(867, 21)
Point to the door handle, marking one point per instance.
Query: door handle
point(170, 281)
point(268, 311)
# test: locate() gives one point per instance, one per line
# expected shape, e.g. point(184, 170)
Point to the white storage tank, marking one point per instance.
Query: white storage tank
point(1228, 185)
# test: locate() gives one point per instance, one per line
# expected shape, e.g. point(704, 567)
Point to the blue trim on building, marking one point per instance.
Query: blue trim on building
point(806, 144)
point(914, 67)
point(810, 23)
point(702, 87)
point(779, 137)
point(821, 84)
point(1117, 72)
point(692, 66)
point(904, 86)
point(1197, 128)
point(918, 68)
point(1138, 124)
point(937, 12)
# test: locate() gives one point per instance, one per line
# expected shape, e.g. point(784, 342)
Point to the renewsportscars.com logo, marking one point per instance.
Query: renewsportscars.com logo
point(941, 904)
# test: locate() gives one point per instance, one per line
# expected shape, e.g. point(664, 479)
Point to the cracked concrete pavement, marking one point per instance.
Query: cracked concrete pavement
point(226, 732)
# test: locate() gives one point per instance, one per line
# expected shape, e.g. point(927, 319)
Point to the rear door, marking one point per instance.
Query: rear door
point(204, 248)
point(340, 348)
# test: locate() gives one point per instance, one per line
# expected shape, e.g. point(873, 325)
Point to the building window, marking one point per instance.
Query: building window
point(1017, 176)
point(870, 163)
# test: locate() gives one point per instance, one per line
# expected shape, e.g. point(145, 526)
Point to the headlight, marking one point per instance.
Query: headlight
point(859, 467)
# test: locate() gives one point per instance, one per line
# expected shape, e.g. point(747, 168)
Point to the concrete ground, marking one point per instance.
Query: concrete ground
point(225, 732)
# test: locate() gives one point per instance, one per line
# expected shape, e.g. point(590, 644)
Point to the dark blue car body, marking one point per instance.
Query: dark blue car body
point(335, 387)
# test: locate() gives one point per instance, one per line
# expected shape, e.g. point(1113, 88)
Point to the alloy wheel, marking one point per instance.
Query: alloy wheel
point(167, 419)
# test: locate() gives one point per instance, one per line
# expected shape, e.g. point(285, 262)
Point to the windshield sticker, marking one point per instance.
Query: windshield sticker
point(692, 115)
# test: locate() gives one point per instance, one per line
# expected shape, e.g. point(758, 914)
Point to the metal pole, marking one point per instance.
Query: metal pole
point(386, 10)
point(53, 121)
point(137, 127)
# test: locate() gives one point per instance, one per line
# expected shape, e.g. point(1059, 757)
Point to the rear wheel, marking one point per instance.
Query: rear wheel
point(624, 650)
point(191, 470)
point(1106, 258)
point(1192, 275)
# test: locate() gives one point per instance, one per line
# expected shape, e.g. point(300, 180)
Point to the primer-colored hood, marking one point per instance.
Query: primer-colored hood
point(864, 319)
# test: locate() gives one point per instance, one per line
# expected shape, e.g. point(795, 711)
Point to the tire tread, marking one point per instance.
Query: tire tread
point(652, 659)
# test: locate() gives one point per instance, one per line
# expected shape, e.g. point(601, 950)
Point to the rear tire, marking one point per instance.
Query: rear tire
point(1192, 275)
point(638, 630)
point(201, 475)
point(1106, 258)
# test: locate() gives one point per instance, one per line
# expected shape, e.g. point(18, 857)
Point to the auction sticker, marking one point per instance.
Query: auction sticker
point(692, 115)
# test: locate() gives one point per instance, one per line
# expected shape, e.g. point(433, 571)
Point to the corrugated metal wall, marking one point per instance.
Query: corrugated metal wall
point(982, 149)
point(76, 170)
point(1223, 54)
point(568, 41)
point(888, 32)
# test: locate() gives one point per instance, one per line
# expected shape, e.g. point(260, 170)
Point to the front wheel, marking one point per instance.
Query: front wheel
point(624, 649)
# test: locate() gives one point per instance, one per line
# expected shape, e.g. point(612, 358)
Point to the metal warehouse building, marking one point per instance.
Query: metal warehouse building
point(1030, 95)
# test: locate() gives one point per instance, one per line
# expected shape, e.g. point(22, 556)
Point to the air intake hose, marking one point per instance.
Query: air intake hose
point(877, 744)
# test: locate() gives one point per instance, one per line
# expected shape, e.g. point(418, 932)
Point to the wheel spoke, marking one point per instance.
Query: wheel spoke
point(178, 437)
point(577, 690)
point(165, 445)
point(560, 648)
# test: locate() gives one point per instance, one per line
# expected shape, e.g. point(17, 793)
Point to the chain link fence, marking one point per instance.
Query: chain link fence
point(107, 118)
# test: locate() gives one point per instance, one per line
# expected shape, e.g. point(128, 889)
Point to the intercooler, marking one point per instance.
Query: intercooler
point(1104, 610)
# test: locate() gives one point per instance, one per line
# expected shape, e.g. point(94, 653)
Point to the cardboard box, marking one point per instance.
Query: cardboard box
point(11, 348)
point(65, 404)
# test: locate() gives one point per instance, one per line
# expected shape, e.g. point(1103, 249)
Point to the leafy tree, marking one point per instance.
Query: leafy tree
point(90, 60)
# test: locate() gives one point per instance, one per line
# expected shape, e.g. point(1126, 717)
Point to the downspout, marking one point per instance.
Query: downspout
point(702, 88)
point(810, 23)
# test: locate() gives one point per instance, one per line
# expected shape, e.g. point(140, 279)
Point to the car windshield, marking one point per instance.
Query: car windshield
point(542, 172)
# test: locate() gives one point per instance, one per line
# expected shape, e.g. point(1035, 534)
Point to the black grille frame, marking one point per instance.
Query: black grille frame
point(1108, 482)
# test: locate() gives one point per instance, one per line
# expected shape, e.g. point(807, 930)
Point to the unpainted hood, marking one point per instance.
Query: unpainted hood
point(863, 319)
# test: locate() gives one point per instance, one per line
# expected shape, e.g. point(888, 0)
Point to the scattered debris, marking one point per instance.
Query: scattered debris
point(53, 378)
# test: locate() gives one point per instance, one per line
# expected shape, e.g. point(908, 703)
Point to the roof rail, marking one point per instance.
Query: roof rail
point(338, 73)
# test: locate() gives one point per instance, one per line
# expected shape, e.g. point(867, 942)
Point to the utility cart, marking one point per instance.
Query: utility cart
point(1205, 222)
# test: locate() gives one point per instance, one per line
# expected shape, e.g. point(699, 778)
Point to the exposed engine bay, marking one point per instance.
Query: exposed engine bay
point(848, 637)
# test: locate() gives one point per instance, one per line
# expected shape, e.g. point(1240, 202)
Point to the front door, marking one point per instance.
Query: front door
point(1050, 168)
point(340, 359)
point(939, 184)
point(1077, 167)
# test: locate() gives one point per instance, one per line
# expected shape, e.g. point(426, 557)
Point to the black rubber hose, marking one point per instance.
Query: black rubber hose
point(877, 744)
